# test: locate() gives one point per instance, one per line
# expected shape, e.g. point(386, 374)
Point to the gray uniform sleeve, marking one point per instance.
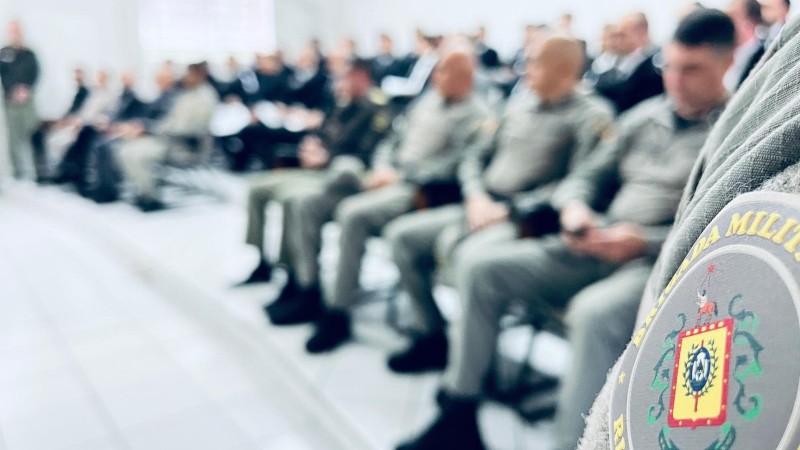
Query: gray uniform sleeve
point(470, 171)
point(189, 116)
point(595, 125)
point(593, 174)
point(384, 152)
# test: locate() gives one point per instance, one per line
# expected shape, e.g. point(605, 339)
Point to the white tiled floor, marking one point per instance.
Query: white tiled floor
point(119, 330)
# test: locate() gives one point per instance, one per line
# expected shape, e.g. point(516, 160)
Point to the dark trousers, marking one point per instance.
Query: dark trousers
point(267, 145)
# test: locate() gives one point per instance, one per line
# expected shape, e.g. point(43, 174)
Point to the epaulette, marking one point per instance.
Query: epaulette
point(378, 97)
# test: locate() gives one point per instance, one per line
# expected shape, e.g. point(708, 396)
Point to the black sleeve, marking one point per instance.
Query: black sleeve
point(77, 101)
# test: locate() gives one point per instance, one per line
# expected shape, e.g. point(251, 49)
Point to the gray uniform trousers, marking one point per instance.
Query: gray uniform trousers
point(279, 186)
point(305, 213)
point(543, 272)
point(360, 217)
point(138, 158)
point(21, 121)
point(424, 241)
point(600, 320)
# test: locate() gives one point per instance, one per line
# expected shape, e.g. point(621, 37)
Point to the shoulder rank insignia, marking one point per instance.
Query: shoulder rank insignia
point(716, 363)
point(377, 97)
point(381, 122)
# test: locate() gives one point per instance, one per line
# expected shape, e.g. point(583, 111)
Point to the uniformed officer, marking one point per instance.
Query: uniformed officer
point(19, 71)
point(598, 266)
point(353, 129)
point(542, 135)
point(175, 138)
point(420, 162)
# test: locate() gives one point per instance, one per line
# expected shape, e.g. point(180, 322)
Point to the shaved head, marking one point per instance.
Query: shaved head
point(454, 73)
point(564, 54)
point(555, 68)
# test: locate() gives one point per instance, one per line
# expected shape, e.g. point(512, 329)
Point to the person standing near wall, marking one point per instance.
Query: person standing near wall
point(19, 71)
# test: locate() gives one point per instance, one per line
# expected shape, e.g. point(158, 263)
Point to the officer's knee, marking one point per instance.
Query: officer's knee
point(588, 311)
point(351, 214)
point(475, 269)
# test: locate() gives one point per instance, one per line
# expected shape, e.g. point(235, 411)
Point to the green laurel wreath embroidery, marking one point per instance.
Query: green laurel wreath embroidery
point(662, 377)
point(749, 406)
point(712, 375)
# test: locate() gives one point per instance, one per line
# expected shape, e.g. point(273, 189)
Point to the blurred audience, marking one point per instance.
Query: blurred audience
point(179, 137)
point(597, 266)
point(384, 63)
point(634, 76)
point(424, 59)
point(415, 167)
point(774, 13)
point(347, 136)
point(540, 138)
point(746, 17)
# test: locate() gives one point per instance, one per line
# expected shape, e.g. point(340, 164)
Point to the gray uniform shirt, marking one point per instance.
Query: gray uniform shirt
point(650, 160)
point(431, 144)
point(536, 144)
point(190, 113)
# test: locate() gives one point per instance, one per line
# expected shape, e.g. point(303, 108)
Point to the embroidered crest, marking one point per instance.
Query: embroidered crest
point(714, 365)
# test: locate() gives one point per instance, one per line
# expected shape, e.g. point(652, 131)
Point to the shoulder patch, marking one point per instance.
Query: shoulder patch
point(378, 97)
point(381, 122)
point(714, 363)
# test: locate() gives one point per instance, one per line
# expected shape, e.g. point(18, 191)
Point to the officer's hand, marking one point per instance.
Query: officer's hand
point(576, 218)
point(381, 177)
point(21, 93)
point(132, 130)
point(617, 244)
point(313, 155)
point(482, 211)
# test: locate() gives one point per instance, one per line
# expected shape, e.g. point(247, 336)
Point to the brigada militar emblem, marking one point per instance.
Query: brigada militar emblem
point(716, 363)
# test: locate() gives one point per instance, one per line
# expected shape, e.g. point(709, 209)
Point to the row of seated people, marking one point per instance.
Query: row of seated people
point(295, 99)
point(106, 133)
point(557, 202)
point(268, 109)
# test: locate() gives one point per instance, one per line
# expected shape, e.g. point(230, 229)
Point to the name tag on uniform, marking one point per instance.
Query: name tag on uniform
point(716, 362)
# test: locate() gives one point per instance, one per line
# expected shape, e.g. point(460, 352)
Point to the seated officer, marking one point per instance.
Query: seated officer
point(174, 138)
point(753, 147)
point(353, 128)
point(442, 125)
point(542, 134)
point(597, 267)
